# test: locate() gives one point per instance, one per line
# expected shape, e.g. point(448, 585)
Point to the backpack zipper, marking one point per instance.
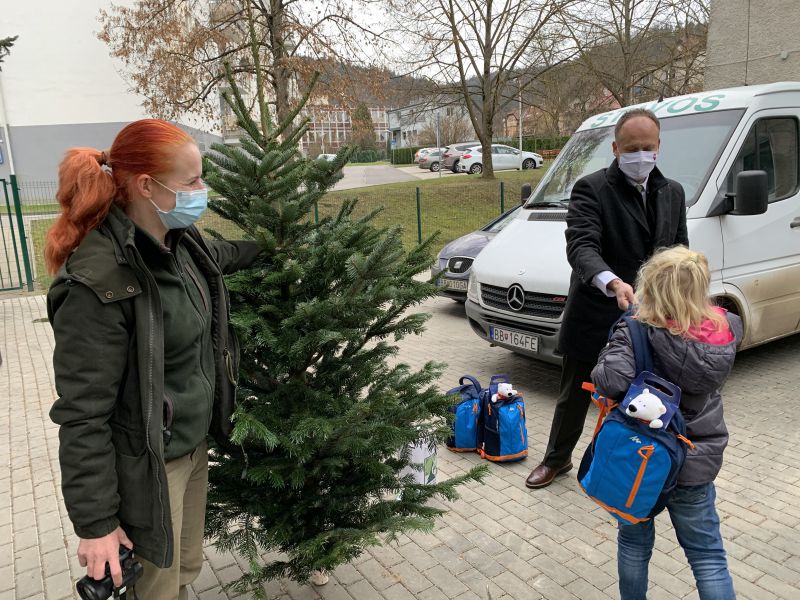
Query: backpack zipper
point(645, 452)
point(521, 423)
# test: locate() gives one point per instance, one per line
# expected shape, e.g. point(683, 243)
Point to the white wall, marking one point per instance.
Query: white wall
point(58, 72)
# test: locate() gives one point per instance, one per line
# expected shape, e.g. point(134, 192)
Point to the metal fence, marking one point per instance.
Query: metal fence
point(448, 208)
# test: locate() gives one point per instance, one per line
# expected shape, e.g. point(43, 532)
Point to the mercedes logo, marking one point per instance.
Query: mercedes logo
point(515, 297)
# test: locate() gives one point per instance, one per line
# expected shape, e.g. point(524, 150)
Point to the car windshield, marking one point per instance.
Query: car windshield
point(690, 147)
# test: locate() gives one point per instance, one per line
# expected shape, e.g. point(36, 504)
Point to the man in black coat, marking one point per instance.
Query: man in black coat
point(617, 218)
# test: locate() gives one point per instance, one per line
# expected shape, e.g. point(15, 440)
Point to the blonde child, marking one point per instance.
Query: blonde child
point(694, 344)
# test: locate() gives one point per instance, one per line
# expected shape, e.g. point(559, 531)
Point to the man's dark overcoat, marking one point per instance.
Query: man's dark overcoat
point(609, 229)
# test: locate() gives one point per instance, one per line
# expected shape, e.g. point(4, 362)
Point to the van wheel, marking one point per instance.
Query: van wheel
point(528, 163)
point(476, 169)
point(435, 167)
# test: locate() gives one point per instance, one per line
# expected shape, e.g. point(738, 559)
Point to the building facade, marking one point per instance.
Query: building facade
point(416, 123)
point(59, 89)
point(752, 41)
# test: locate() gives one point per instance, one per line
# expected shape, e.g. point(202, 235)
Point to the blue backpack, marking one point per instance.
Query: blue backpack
point(629, 468)
point(503, 435)
point(467, 412)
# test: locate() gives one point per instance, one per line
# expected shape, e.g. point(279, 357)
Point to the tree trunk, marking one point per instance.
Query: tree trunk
point(486, 145)
point(487, 106)
point(281, 74)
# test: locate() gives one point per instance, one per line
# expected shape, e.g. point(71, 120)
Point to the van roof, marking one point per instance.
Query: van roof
point(738, 97)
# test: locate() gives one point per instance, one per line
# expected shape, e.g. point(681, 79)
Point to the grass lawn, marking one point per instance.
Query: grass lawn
point(40, 209)
point(450, 206)
point(36, 235)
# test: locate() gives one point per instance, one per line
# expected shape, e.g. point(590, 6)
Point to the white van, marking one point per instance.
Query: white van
point(725, 147)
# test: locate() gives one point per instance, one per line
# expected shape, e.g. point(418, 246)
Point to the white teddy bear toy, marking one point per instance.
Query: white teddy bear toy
point(647, 407)
point(504, 392)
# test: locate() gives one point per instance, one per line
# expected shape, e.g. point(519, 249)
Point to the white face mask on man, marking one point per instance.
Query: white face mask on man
point(637, 165)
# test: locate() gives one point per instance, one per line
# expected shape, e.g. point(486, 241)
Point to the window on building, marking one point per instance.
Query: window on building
point(771, 146)
point(449, 111)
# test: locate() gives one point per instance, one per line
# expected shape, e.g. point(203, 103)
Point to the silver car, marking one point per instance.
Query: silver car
point(453, 152)
point(431, 160)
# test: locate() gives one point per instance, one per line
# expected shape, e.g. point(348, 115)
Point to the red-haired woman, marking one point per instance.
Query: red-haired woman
point(144, 355)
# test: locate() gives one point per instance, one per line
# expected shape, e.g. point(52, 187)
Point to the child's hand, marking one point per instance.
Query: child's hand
point(623, 292)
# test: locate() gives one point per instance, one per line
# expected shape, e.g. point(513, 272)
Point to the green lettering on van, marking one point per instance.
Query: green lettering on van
point(709, 103)
point(600, 120)
point(676, 108)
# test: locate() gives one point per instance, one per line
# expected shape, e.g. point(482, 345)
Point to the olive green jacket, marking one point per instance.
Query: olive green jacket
point(109, 370)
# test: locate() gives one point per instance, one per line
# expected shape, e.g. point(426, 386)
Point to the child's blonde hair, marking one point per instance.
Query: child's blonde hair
point(672, 291)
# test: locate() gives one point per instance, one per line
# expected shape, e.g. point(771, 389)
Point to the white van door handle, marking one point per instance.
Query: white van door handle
point(795, 223)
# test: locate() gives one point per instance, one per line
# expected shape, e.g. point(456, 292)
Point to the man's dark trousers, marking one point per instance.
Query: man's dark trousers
point(570, 414)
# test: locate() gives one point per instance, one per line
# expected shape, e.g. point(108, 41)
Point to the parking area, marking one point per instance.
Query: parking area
point(500, 541)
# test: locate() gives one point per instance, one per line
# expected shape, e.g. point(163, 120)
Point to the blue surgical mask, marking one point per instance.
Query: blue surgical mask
point(188, 207)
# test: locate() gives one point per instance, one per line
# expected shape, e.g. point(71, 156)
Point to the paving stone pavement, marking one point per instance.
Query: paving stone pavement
point(501, 537)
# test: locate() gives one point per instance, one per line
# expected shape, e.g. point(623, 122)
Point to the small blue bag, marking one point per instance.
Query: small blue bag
point(467, 411)
point(503, 436)
point(630, 468)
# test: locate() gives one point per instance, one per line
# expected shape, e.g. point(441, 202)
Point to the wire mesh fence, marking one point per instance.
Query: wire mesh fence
point(449, 208)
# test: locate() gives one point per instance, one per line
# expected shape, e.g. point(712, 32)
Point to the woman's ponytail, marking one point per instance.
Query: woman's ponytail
point(86, 188)
point(85, 192)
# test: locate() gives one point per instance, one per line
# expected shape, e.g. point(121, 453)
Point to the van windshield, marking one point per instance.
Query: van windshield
point(690, 147)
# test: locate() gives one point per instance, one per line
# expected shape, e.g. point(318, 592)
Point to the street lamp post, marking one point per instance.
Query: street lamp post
point(438, 144)
point(519, 124)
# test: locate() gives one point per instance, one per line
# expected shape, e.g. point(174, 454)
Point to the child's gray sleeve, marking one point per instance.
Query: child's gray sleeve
point(616, 367)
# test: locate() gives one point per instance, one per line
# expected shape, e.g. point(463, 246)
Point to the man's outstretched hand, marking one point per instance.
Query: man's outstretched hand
point(623, 292)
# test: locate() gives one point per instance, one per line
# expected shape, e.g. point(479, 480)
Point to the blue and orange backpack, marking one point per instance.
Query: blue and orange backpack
point(504, 435)
point(467, 413)
point(629, 468)
point(495, 430)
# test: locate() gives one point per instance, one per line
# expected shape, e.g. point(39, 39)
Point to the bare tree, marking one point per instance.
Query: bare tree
point(478, 50)
point(635, 46)
point(685, 49)
point(5, 46)
point(453, 128)
point(174, 50)
point(566, 95)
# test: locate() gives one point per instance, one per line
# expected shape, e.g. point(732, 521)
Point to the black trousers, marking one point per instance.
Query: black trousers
point(570, 414)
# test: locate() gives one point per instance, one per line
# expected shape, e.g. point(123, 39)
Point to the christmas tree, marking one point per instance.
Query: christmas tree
point(324, 418)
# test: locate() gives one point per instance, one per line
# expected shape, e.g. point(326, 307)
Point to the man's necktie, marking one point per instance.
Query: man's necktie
point(640, 189)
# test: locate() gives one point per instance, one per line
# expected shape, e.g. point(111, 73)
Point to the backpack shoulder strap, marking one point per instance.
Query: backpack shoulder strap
point(642, 351)
point(472, 380)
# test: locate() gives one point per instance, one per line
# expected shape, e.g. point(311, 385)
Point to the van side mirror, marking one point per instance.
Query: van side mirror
point(752, 191)
point(525, 193)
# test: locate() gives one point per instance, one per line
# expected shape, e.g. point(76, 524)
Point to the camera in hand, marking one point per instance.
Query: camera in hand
point(94, 589)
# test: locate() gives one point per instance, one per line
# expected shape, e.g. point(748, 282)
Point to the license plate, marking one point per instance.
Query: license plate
point(457, 285)
point(515, 338)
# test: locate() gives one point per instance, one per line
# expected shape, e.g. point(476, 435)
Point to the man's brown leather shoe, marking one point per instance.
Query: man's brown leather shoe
point(542, 476)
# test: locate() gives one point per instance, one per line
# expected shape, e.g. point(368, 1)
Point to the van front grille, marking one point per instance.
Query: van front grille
point(548, 306)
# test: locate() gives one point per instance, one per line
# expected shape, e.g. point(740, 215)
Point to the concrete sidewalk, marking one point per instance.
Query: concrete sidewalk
point(522, 545)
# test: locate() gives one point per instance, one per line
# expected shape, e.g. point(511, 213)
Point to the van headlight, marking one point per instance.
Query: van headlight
point(473, 288)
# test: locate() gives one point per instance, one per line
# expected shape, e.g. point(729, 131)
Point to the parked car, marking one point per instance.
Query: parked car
point(430, 160)
point(453, 153)
point(503, 158)
point(423, 152)
point(328, 157)
point(457, 257)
